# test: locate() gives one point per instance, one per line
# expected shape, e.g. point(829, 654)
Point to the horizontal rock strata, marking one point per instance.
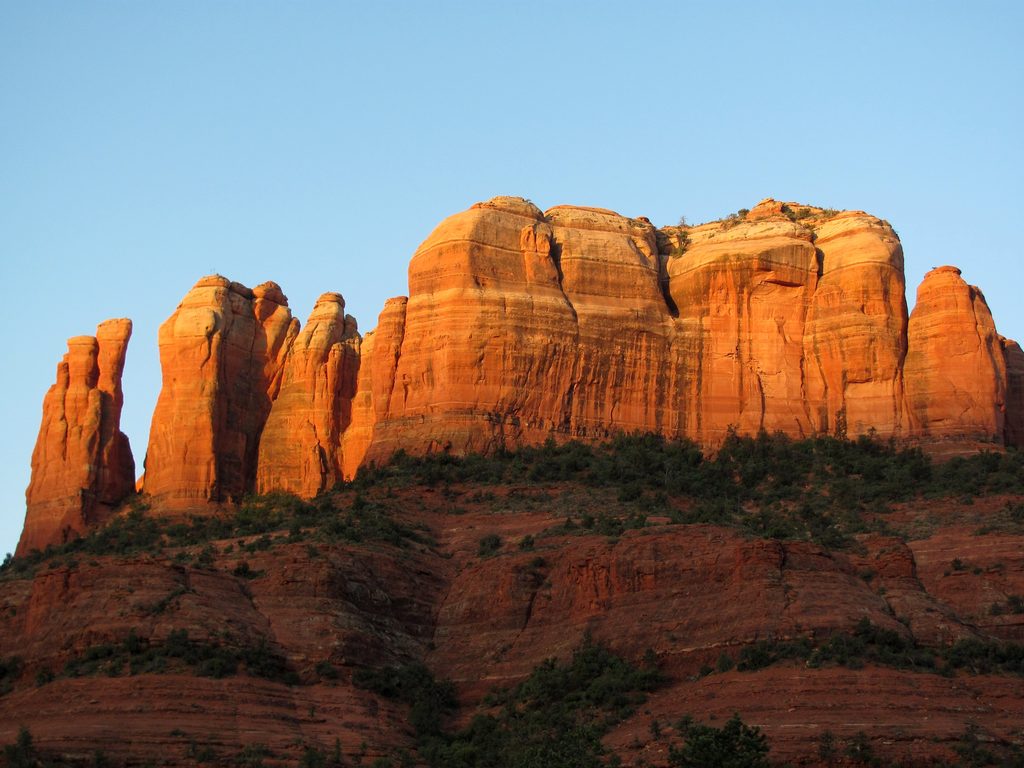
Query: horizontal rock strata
point(522, 325)
point(82, 463)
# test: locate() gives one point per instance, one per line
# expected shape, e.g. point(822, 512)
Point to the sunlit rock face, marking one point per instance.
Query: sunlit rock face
point(300, 447)
point(82, 463)
point(856, 338)
point(579, 322)
point(523, 325)
point(520, 325)
point(955, 372)
point(222, 355)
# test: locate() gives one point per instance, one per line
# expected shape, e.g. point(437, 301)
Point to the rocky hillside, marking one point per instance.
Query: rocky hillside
point(520, 326)
point(855, 603)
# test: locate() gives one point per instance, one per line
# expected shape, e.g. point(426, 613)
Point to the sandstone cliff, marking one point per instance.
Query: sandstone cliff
point(300, 448)
point(692, 594)
point(956, 366)
point(575, 323)
point(82, 463)
point(222, 353)
point(578, 322)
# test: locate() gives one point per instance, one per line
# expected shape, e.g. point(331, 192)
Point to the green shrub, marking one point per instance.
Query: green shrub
point(204, 658)
point(326, 671)
point(860, 751)
point(556, 717)
point(10, 671)
point(22, 753)
point(734, 745)
point(429, 701)
point(489, 545)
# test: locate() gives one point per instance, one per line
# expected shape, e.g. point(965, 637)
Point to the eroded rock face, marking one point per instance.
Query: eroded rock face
point(300, 447)
point(520, 325)
point(575, 323)
point(688, 594)
point(222, 355)
point(82, 463)
point(579, 323)
point(955, 369)
point(856, 338)
point(482, 346)
point(1014, 358)
point(743, 297)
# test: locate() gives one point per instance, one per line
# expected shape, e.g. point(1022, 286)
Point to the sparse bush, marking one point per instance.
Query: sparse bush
point(489, 545)
point(734, 744)
point(10, 670)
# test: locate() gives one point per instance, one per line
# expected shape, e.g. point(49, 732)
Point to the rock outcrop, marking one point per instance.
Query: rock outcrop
point(575, 323)
point(300, 448)
point(1014, 357)
point(578, 323)
point(743, 297)
point(82, 464)
point(688, 594)
point(856, 338)
point(955, 371)
point(222, 353)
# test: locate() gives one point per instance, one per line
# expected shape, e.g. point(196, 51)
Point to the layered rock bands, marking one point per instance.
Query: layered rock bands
point(520, 325)
point(82, 464)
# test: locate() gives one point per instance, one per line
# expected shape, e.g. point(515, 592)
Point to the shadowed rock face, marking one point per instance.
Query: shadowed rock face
point(577, 323)
point(1014, 392)
point(222, 353)
point(82, 463)
point(690, 594)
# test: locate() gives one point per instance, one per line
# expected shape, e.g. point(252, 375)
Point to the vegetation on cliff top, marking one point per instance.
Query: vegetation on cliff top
point(821, 489)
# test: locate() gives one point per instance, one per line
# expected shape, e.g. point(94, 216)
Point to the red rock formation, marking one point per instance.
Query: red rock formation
point(955, 371)
point(222, 354)
point(612, 359)
point(856, 336)
point(82, 463)
point(378, 363)
point(300, 447)
point(743, 295)
point(580, 322)
point(487, 342)
point(1014, 358)
point(689, 593)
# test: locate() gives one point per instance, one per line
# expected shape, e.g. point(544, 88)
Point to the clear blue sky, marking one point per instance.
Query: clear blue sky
point(144, 144)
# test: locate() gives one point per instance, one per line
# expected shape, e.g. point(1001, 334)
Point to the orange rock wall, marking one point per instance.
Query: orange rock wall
point(955, 370)
point(856, 337)
point(82, 463)
point(222, 355)
point(743, 297)
point(300, 447)
point(578, 323)
point(520, 325)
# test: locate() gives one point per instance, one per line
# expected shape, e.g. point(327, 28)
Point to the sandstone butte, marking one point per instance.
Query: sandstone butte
point(82, 465)
point(520, 325)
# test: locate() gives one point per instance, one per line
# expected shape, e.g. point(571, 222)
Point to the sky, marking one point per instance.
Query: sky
point(316, 144)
